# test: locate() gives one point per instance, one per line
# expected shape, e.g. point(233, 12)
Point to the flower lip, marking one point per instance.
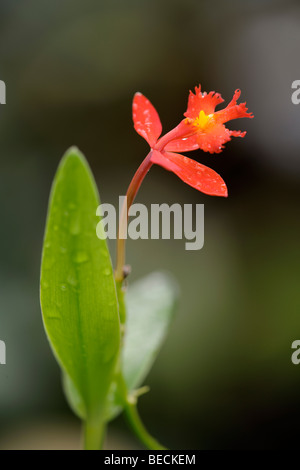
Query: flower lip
point(202, 121)
point(207, 124)
point(207, 103)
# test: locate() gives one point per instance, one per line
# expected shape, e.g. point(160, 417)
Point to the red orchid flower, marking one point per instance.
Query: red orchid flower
point(202, 128)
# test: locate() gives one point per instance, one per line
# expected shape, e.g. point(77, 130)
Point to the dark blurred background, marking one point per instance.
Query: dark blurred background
point(224, 379)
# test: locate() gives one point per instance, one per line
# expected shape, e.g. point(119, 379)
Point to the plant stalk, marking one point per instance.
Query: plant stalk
point(130, 196)
point(94, 434)
point(139, 429)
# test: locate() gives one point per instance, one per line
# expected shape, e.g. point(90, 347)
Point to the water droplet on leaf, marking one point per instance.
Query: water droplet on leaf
point(81, 257)
point(72, 280)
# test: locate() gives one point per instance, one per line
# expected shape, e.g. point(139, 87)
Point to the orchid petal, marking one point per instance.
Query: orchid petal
point(233, 110)
point(202, 102)
point(146, 119)
point(214, 138)
point(198, 176)
point(186, 144)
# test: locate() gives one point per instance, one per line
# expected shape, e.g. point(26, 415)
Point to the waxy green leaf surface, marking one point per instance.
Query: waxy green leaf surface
point(78, 296)
point(151, 304)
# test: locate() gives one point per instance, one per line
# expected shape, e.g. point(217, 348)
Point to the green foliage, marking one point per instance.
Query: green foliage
point(151, 304)
point(78, 295)
point(81, 305)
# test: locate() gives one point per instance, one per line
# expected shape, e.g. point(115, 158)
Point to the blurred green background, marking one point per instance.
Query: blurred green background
point(224, 379)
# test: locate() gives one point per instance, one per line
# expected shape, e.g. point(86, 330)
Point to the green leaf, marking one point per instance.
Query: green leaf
point(74, 399)
point(78, 294)
point(151, 304)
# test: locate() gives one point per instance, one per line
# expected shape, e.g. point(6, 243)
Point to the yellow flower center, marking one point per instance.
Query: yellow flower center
point(202, 121)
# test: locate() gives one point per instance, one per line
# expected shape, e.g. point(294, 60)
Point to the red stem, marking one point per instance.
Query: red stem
point(130, 196)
